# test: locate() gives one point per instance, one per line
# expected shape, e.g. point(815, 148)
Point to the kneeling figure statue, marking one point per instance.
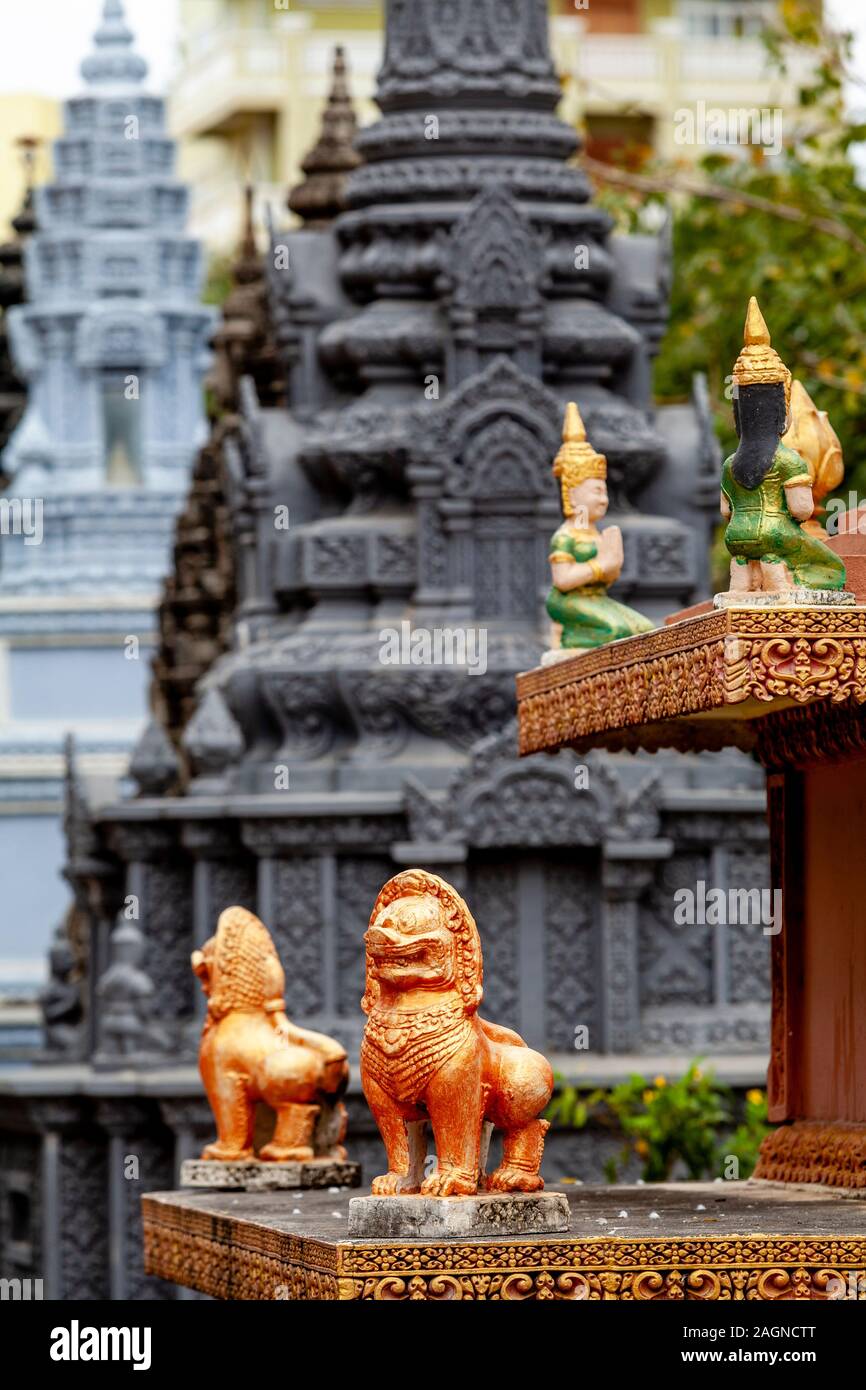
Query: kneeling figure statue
point(584, 561)
point(426, 1055)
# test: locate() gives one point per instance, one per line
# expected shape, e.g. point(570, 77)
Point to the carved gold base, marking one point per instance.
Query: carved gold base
point(809, 1151)
point(705, 683)
point(257, 1257)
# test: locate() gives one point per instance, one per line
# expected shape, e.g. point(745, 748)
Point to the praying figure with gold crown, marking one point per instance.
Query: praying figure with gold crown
point(767, 487)
point(584, 561)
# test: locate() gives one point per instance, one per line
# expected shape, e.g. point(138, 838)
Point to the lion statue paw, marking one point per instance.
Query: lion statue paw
point(227, 1153)
point(286, 1153)
point(388, 1185)
point(513, 1180)
point(449, 1182)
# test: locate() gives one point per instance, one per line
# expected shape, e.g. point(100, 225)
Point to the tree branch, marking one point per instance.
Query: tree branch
point(696, 188)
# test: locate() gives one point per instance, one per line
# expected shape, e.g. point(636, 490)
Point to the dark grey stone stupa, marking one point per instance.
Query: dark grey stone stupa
point(430, 339)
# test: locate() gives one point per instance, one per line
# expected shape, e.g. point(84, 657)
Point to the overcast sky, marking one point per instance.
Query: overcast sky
point(45, 40)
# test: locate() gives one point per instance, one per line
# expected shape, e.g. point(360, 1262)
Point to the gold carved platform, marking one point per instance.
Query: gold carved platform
point(703, 683)
point(706, 1241)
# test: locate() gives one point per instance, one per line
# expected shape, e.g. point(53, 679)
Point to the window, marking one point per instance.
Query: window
point(725, 19)
point(121, 429)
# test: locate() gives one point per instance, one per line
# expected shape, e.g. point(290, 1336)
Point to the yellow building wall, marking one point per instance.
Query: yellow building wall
point(23, 114)
point(247, 102)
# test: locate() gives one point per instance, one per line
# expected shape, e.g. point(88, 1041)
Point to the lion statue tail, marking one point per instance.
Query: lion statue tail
point(496, 1033)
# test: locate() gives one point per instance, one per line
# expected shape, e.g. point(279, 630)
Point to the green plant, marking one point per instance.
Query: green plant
point(218, 282)
point(745, 1142)
point(668, 1122)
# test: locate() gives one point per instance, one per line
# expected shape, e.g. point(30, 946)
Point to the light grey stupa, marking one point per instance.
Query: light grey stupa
point(111, 343)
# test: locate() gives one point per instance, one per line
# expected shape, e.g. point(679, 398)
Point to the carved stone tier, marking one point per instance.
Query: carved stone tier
point(699, 1245)
point(706, 683)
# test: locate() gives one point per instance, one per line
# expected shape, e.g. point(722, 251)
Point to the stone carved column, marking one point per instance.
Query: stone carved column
point(191, 1122)
point(292, 893)
point(55, 1119)
point(72, 1181)
point(434, 548)
point(628, 869)
point(133, 1139)
point(118, 1118)
point(98, 896)
point(22, 1227)
point(159, 879)
point(224, 875)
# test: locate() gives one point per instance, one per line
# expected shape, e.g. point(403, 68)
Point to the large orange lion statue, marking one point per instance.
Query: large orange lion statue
point(426, 1055)
point(251, 1052)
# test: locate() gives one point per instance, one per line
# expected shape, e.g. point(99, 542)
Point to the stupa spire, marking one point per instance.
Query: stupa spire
point(320, 196)
point(114, 60)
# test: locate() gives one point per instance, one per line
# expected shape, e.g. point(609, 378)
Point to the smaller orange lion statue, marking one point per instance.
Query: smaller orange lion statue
point(426, 1055)
point(251, 1052)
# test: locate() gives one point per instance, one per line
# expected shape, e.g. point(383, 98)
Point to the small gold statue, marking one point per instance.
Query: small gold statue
point(251, 1052)
point(811, 435)
point(584, 561)
point(427, 1055)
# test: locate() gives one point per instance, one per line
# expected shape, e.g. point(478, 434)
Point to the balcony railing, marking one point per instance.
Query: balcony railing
point(653, 66)
point(230, 69)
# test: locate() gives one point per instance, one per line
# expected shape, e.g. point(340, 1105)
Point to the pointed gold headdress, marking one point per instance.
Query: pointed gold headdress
point(759, 363)
point(576, 460)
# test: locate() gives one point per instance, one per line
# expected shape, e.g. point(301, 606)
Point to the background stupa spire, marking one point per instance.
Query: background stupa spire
point(114, 60)
point(320, 196)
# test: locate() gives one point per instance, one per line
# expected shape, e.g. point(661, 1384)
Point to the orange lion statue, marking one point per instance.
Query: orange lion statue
point(250, 1052)
point(426, 1055)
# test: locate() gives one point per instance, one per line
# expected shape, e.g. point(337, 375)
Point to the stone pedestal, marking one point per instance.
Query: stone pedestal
point(443, 1218)
point(254, 1176)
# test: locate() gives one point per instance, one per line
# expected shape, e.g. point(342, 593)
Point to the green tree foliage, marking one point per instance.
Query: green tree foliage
point(790, 229)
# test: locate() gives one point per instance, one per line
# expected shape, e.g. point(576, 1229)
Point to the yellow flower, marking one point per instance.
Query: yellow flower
point(648, 1096)
point(641, 1147)
point(754, 1097)
point(660, 1083)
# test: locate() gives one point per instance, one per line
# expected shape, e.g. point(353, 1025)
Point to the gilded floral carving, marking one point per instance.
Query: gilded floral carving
point(247, 1261)
point(706, 664)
